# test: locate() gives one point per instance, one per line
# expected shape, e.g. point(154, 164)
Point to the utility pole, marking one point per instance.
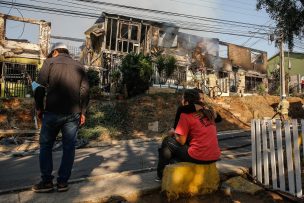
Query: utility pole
point(284, 104)
point(282, 68)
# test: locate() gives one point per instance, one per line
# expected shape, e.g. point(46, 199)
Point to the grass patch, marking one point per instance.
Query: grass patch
point(129, 118)
point(107, 120)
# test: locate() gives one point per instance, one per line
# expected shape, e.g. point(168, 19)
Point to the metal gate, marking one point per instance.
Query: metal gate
point(14, 79)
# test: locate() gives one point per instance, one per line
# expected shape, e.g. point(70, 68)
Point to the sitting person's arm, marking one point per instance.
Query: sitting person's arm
point(180, 138)
point(182, 130)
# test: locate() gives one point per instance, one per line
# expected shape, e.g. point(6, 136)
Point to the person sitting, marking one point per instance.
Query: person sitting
point(198, 129)
point(191, 108)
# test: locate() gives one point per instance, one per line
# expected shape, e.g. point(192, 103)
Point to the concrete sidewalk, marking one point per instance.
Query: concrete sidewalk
point(99, 189)
point(125, 170)
point(121, 186)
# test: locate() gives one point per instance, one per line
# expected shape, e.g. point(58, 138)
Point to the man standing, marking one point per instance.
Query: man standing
point(212, 83)
point(67, 95)
point(241, 84)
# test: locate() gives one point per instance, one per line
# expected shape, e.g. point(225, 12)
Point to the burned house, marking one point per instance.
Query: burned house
point(251, 62)
point(113, 36)
point(19, 58)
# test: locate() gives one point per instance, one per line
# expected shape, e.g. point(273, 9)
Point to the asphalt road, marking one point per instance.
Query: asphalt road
point(17, 172)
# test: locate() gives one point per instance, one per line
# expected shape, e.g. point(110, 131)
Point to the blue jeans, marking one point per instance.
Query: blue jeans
point(52, 123)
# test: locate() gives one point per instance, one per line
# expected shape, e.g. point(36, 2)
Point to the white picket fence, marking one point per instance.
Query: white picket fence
point(276, 155)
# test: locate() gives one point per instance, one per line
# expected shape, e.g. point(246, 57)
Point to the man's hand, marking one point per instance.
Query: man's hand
point(82, 119)
point(39, 114)
point(171, 132)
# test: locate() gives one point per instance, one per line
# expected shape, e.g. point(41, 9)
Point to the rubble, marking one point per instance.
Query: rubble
point(240, 184)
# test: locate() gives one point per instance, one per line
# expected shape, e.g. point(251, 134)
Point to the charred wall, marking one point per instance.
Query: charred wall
point(247, 59)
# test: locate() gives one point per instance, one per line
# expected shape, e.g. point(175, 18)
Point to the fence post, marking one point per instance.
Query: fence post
point(272, 157)
point(280, 155)
point(253, 147)
point(289, 157)
point(265, 153)
point(297, 163)
point(258, 144)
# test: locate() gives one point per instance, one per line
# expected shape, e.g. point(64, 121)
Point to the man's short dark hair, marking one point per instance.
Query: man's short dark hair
point(63, 51)
point(60, 50)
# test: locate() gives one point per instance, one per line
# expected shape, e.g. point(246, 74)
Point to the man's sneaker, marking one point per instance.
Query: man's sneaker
point(157, 179)
point(62, 187)
point(43, 187)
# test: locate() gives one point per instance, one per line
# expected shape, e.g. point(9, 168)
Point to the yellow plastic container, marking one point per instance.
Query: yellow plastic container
point(189, 179)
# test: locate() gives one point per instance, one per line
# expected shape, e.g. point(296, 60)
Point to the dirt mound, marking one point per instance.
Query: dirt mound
point(249, 107)
point(16, 113)
point(127, 119)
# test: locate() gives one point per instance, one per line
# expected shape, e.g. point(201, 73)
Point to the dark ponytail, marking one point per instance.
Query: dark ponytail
point(192, 96)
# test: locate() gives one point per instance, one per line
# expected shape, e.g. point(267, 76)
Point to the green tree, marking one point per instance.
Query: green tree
point(160, 65)
point(170, 67)
point(289, 17)
point(274, 78)
point(166, 65)
point(136, 72)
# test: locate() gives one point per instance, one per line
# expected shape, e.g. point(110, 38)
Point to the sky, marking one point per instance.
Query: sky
point(234, 10)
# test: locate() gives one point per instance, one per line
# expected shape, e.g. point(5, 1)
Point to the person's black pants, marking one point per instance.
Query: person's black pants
point(172, 151)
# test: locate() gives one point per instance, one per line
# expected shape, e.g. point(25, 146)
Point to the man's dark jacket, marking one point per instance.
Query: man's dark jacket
point(66, 85)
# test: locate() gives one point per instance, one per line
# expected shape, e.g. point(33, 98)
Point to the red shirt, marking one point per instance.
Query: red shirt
point(203, 143)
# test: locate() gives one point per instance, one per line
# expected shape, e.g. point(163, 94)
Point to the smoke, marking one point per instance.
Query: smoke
point(204, 51)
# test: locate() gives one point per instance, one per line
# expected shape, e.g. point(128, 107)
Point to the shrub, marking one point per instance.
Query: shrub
point(93, 77)
point(136, 72)
point(160, 65)
point(261, 89)
point(115, 76)
point(166, 65)
point(116, 80)
point(170, 66)
point(95, 92)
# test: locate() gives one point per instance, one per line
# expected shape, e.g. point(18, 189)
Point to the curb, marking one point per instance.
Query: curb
point(133, 195)
point(78, 180)
point(135, 141)
point(120, 142)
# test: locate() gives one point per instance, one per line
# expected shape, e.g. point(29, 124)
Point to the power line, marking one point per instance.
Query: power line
point(13, 6)
point(211, 29)
point(71, 12)
point(219, 9)
point(253, 35)
point(67, 38)
point(229, 4)
point(49, 12)
point(240, 2)
point(228, 33)
point(254, 43)
point(61, 11)
point(162, 19)
point(70, 6)
point(173, 14)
